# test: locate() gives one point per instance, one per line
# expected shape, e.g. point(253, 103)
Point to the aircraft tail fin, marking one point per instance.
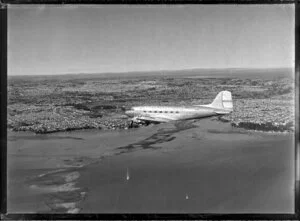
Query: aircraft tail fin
point(223, 101)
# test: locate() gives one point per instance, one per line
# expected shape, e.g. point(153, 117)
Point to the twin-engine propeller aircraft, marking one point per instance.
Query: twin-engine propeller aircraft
point(221, 105)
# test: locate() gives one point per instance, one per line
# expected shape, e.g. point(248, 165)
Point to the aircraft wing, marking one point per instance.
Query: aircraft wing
point(152, 119)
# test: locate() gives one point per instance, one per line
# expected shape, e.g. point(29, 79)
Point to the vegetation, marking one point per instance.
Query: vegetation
point(44, 104)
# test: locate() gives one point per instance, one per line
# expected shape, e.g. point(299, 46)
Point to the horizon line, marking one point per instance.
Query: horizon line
point(153, 71)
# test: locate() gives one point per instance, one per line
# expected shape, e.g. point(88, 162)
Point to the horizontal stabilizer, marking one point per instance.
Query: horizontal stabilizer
point(223, 102)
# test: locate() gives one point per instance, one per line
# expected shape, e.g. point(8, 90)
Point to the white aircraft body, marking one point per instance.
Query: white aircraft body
point(221, 105)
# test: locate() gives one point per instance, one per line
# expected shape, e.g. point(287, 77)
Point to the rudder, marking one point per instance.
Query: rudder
point(223, 101)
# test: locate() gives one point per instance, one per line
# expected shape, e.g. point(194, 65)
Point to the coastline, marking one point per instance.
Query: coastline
point(125, 125)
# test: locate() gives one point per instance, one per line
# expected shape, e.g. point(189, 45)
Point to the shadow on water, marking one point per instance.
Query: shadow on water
point(162, 136)
point(41, 137)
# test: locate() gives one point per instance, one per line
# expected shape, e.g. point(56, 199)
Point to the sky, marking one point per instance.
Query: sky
point(48, 40)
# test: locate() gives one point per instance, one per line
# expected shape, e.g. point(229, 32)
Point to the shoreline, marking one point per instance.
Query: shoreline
point(262, 127)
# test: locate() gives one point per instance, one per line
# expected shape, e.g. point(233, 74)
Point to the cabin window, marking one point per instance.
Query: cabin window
point(177, 112)
point(155, 111)
point(166, 111)
point(145, 111)
point(171, 111)
point(160, 111)
point(150, 111)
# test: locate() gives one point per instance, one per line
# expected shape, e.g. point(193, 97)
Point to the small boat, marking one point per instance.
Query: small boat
point(186, 196)
point(127, 175)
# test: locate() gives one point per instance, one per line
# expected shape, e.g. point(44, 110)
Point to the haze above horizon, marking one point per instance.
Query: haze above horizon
point(51, 40)
point(270, 73)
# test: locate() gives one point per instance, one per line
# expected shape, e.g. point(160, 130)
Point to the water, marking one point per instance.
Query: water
point(200, 166)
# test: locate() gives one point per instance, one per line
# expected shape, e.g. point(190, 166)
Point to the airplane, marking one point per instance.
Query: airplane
point(221, 105)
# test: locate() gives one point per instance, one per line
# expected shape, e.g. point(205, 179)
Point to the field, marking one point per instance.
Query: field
point(46, 104)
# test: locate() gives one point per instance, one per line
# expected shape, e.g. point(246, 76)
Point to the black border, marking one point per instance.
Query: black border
point(162, 216)
point(297, 118)
point(149, 1)
point(3, 105)
point(3, 118)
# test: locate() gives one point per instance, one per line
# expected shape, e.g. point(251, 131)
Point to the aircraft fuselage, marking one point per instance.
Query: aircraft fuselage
point(168, 113)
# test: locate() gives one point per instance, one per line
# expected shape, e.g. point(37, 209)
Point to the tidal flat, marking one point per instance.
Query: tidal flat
point(262, 99)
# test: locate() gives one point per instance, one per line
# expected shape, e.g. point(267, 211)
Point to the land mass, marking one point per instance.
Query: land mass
point(263, 98)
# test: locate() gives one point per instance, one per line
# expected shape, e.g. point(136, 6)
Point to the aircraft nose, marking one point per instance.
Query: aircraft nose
point(129, 113)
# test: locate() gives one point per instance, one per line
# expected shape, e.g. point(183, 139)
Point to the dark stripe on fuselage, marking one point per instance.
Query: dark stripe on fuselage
point(175, 113)
point(161, 108)
point(174, 108)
